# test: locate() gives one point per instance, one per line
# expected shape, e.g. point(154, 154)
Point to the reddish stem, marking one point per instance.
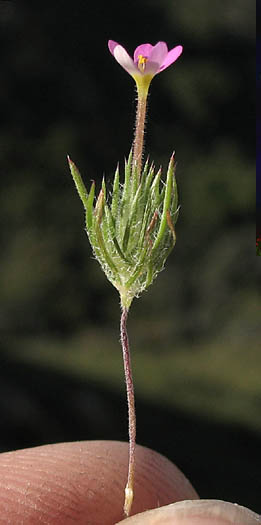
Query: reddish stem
point(131, 411)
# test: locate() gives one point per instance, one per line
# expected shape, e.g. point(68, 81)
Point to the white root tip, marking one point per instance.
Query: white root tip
point(128, 501)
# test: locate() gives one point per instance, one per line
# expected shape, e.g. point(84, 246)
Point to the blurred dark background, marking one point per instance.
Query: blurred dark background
point(195, 335)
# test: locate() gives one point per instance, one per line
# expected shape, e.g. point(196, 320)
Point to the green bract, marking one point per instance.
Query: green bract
point(132, 230)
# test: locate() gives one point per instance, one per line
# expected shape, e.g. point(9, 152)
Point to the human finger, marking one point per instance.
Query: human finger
point(83, 483)
point(197, 512)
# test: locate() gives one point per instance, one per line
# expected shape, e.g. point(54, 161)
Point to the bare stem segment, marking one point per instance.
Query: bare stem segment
point(131, 411)
point(139, 130)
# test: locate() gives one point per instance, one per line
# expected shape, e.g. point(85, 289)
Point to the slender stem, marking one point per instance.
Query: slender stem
point(131, 411)
point(139, 129)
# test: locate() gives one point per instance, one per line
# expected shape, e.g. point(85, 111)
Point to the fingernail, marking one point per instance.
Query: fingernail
point(194, 512)
point(221, 511)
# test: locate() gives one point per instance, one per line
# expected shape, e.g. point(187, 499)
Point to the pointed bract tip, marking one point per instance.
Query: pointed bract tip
point(92, 185)
point(172, 160)
point(70, 161)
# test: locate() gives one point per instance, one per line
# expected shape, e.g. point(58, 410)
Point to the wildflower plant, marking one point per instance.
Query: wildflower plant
point(131, 227)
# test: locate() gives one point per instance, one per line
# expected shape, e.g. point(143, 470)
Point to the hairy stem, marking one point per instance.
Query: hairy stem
point(131, 411)
point(139, 130)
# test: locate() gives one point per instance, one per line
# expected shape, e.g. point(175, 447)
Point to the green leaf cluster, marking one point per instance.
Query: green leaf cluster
point(131, 230)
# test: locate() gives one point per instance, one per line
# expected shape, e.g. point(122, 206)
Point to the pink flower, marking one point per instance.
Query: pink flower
point(147, 60)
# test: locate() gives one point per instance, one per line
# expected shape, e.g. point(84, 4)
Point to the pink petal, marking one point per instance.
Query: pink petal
point(159, 52)
point(157, 56)
point(144, 50)
point(121, 55)
point(112, 45)
point(172, 55)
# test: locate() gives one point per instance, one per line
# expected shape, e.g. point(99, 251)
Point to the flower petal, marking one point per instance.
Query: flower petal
point(156, 58)
point(121, 55)
point(159, 52)
point(144, 50)
point(172, 55)
point(112, 45)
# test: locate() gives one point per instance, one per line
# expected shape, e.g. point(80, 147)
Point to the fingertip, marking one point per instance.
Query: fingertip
point(196, 512)
point(66, 482)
